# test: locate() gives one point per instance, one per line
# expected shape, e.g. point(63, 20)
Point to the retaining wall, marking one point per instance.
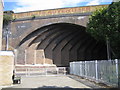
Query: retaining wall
point(6, 67)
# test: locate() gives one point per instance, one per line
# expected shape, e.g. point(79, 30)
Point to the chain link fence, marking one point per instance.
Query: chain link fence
point(105, 71)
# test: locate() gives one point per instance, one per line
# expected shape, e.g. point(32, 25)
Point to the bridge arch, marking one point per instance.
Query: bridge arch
point(21, 28)
point(58, 44)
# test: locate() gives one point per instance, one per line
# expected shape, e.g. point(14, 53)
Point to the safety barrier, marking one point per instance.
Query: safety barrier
point(40, 71)
point(105, 71)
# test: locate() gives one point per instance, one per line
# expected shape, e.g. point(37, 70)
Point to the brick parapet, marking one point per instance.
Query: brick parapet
point(61, 11)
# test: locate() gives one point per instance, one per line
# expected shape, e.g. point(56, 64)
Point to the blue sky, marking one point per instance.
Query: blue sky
point(31, 5)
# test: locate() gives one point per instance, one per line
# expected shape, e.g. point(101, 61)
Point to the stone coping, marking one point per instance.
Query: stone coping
point(6, 53)
point(36, 65)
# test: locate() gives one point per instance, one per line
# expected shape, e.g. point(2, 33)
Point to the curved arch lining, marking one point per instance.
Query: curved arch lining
point(74, 49)
point(66, 56)
point(48, 39)
point(41, 38)
point(57, 57)
point(36, 32)
point(44, 32)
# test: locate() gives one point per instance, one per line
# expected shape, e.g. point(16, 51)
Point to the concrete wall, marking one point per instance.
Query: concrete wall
point(6, 67)
point(1, 21)
point(6, 57)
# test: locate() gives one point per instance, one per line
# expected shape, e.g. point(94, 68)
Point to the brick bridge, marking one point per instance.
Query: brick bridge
point(53, 37)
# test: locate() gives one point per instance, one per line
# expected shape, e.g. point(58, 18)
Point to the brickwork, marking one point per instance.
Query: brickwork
point(57, 44)
point(57, 11)
point(54, 37)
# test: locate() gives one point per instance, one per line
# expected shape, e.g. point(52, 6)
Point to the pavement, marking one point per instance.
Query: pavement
point(50, 81)
point(64, 82)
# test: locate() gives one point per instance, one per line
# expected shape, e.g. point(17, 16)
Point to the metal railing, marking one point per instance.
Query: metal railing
point(105, 71)
point(40, 71)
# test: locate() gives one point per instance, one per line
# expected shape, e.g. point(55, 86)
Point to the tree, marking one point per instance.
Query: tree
point(6, 19)
point(104, 25)
point(116, 0)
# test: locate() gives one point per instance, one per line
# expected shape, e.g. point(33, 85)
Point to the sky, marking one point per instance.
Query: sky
point(31, 5)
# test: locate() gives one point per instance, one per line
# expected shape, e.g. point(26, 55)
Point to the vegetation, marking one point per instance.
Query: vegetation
point(104, 25)
point(6, 20)
point(33, 16)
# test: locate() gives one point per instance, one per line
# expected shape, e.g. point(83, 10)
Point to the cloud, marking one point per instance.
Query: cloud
point(31, 5)
point(94, 2)
point(24, 5)
point(97, 2)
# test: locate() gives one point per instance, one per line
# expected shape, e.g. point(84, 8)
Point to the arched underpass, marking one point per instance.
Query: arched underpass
point(59, 44)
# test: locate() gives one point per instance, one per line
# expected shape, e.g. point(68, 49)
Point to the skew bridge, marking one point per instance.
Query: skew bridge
point(55, 36)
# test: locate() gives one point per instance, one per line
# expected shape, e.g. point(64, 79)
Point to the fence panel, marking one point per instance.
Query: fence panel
point(105, 71)
point(40, 71)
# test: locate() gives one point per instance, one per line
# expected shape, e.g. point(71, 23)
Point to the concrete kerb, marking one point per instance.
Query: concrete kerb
point(9, 86)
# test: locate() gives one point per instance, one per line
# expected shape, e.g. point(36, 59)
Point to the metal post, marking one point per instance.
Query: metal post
point(85, 68)
point(15, 58)
point(34, 57)
point(70, 67)
point(7, 38)
point(118, 73)
point(64, 70)
point(7, 41)
point(29, 71)
point(96, 69)
point(25, 56)
point(46, 71)
point(73, 64)
point(26, 72)
point(57, 70)
point(82, 73)
point(116, 63)
point(80, 63)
